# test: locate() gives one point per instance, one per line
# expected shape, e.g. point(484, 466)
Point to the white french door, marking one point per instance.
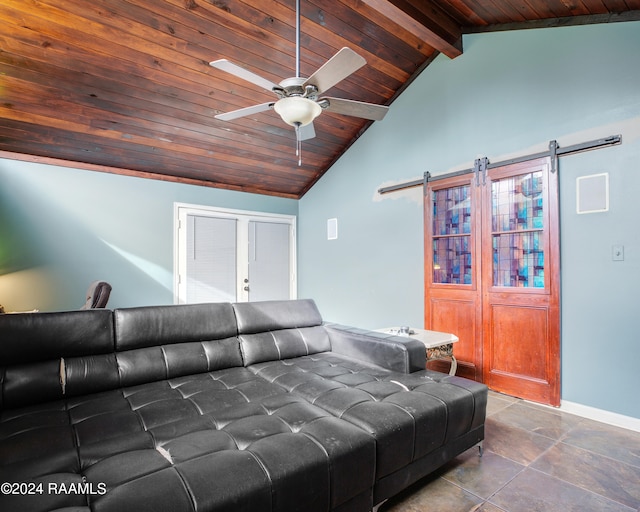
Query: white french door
point(233, 256)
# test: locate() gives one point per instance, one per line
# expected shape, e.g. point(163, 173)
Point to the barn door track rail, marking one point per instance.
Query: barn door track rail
point(481, 165)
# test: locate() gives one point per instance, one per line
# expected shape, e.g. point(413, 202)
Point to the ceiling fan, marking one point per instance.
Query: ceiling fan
point(299, 101)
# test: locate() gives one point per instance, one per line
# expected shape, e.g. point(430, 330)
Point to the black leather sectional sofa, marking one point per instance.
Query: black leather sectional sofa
point(219, 407)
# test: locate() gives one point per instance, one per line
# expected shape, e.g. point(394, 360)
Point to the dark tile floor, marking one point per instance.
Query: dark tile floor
point(536, 459)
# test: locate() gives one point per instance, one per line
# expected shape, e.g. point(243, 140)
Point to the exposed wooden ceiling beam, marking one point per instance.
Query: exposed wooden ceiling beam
point(428, 22)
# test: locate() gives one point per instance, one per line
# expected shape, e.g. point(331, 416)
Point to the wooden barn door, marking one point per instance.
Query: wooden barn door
point(499, 292)
point(520, 275)
point(453, 299)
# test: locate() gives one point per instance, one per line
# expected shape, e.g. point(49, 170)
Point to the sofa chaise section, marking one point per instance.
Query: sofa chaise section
point(420, 419)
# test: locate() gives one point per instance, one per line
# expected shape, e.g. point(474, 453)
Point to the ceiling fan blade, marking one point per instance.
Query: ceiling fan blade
point(306, 132)
point(247, 111)
point(357, 108)
point(243, 73)
point(337, 68)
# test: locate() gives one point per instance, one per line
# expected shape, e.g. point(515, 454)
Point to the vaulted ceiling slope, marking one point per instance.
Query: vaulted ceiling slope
point(125, 86)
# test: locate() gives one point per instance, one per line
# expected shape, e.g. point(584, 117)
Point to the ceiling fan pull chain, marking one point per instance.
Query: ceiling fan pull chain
point(298, 144)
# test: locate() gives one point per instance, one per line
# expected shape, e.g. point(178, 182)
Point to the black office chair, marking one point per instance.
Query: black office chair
point(97, 295)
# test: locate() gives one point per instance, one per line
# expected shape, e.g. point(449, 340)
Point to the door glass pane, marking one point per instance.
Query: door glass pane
point(518, 260)
point(452, 211)
point(517, 203)
point(211, 259)
point(452, 262)
point(517, 225)
point(269, 261)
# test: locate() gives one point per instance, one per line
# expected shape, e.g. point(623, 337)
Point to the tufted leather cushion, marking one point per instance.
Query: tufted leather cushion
point(32, 345)
point(410, 415)
point(163, 342)
point(275, 330)
point(28, 337)
point(151, 326)
point(253, 317)
point(220, 440)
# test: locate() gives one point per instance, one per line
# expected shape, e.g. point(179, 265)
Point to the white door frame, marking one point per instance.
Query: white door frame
point(180, 212)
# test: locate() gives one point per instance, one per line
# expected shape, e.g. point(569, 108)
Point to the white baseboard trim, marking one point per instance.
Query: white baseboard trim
point(611, 418)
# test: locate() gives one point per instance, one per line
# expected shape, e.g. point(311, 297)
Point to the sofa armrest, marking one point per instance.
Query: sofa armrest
point(395, 353)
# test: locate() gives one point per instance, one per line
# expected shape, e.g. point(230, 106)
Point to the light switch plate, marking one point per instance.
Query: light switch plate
point(617, 252)
point(332, 229)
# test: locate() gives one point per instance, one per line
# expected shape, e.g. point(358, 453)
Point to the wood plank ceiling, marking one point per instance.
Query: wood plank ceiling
point(124, 86)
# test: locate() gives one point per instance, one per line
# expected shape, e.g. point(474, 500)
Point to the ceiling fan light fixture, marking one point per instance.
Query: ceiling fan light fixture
point(296, 110)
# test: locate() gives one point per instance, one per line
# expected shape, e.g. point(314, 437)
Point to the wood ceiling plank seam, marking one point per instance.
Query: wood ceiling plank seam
point(373, 84)
point(207, 52)
point(597, 7)
point(616, 6)
point(574, 8)
point(259, 61)
point(507, 11)
point(86, 84)
point(134, 138)
point(316, 47)
point(76, 78)
point(531, 9)
point(65, 145)
point(335, 41)
point(78, 67)
point(143, 174)
point(460, 10)
point(84, 62)
point(141, 60)
point(488, 10)
point(171, 162)
point(203, 130)
point(75, 90)
point(48, 46)
point(110, 74)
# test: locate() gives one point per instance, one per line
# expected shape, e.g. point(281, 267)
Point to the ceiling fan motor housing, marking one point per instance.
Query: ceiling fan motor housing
point(295, 86)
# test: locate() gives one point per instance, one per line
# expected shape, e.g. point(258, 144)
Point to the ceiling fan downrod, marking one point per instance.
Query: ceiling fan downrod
point(297, 38)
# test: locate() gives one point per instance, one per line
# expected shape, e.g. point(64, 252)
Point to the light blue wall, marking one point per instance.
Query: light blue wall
point(509, 94)
point(62, 228)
